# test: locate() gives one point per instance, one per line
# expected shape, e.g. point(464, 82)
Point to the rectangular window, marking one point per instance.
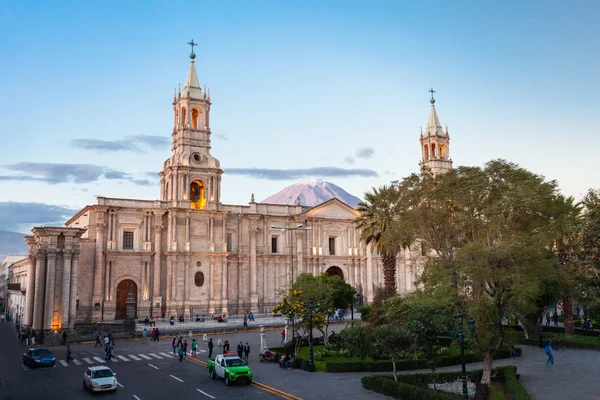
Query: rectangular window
point(229, 242)
point(127, 240)
point(332, 246)
point(273, 244)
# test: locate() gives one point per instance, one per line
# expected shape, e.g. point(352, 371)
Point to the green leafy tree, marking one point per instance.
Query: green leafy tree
point(392, 340)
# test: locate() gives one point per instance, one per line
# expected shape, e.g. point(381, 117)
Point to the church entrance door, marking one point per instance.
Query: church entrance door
point(123, 289)
point(335, 271)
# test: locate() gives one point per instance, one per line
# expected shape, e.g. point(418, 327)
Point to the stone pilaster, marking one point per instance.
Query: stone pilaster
point(156, 292)
point(30, 293)
point(73, 290)
point(99, 265)
point(40, 285)
point(253, 266)
point(49, 297)
point(224, 286)
point(66, 289)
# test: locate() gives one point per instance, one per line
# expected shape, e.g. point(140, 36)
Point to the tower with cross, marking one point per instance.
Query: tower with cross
point(435, 144)
point(191, 177)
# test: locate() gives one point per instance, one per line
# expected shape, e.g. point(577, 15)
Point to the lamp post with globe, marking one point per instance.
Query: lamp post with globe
point(309, 310)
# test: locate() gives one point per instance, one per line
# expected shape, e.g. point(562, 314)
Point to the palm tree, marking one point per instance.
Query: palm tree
point(380, 227)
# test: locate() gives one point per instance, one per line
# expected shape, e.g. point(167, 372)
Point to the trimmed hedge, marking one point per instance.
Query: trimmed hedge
point(414, 386)
point(407, 365)
point(571, 344)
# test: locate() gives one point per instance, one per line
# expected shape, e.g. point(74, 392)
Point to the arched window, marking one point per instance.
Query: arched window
point(197, 195)
point(426, 152)
point(432, 150)
point(442, 150)
point(183, 114)
point(195, 118)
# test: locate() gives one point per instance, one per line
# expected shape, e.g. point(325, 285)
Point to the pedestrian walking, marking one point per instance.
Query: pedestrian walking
point(282, 336)
point(69, 357)
point(194, 347)
point(245, 321)
point(219, 343)
point(111, 337)
point(185, 348)
point(64, 338)
point(144, 336)
point(513, 352)
point(33, 336)
point(226, 347)
point(156, 335)
point(240, 350)
point(97, 342)
point(180, 352)
point(174, 344)
point(210, 348)
point(246, 352)
point(548, 319)
point(550, 361)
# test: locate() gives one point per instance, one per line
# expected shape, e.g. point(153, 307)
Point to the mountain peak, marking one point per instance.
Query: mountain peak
point(311, 193)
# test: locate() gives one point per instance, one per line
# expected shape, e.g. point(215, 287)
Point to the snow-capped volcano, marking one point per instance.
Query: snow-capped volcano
point(311, 193)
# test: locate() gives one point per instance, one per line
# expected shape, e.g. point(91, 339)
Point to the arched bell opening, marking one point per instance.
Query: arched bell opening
point(197, 195)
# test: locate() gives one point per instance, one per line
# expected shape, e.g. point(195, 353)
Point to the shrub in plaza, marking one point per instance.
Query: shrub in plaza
point(364, 310)
point(407, 364)
point(414, 386)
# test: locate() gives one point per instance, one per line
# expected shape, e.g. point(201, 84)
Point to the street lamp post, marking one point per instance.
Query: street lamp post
point(460, 333)
point(300, 227)
point(310, 309)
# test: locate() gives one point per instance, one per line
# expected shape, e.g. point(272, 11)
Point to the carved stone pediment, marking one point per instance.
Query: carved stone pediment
point(332, 209)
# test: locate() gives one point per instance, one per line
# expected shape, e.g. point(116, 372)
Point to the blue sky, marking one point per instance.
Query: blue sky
point(294, 85)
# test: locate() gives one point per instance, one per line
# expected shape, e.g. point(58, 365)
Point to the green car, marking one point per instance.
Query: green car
point(231, 368)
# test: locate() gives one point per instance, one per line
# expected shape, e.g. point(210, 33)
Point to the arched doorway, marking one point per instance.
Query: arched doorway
point(335, 271)
point(123, 289)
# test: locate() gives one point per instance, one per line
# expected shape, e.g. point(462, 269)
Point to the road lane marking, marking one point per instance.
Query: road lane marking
point(174, 377)
point(87, 360)
point(123, 358)
point(64, 363)
point(134, 357)
point(167, 355)
point(206, 394)
point(99, 359)
point(136, 398)
point(120, 384)
point(259, 385)
point(203, 351)
point(153, 366)
point(77, 362)
point(155, 356)
point(145, 357)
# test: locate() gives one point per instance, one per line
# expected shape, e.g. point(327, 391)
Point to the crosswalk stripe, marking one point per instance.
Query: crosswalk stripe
point(155, 355)
point(64, 363)
point(145, 357)
point(87, 360)
point(202, 351)
point(99, 359)
point(134, 357)
point(123, 358)
point(77, 362)
point(167, 355)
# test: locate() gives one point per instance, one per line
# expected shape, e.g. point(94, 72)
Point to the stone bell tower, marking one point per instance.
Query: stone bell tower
point(435, 144)
point(191, 177)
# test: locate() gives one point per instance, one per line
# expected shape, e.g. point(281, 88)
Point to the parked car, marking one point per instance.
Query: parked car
point(231, 368)
point(99, 379)
point(38, 357)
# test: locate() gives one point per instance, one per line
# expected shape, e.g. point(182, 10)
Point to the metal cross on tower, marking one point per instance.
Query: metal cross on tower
point(432, 92)
point(192, 44)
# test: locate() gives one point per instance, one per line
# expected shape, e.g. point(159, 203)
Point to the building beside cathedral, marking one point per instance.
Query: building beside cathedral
point(188, 253)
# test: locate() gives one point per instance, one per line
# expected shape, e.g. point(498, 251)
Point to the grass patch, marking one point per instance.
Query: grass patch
point(498, 392)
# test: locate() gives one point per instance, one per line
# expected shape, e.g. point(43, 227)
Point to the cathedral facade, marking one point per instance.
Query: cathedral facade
point(188, 253)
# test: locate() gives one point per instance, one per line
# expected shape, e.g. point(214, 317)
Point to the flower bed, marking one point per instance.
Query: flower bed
point(415, 386)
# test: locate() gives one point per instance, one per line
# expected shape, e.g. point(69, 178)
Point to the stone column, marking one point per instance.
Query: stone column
point(156, 297)
point(66, 289)
point(107, 277)
point(99, 267)
point(299, 254)
point(40, 285)
point(73, 290)
point(49, 298)
point(224, 291)
point(29, 294)
point(253, 277)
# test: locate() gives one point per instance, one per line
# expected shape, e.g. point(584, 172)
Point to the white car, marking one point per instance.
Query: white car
point(99, 379)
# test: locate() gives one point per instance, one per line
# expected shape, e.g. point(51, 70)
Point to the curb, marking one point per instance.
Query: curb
point(258, 385)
